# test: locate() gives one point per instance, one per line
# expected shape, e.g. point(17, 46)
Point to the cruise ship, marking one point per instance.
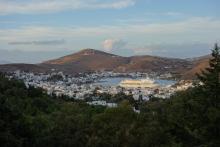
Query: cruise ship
point(143, 83)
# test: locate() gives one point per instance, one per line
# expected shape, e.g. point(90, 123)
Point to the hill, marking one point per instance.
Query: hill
point(93, 60)
point(4, 62)
point(199, 64)
point(89, 60)
point(155, 64)
point(23, 67)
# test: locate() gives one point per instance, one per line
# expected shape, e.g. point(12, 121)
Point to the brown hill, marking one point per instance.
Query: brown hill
point(93, 60)
point(22, 67)
point(155, 64)
point(88, 60)
point(199, 64)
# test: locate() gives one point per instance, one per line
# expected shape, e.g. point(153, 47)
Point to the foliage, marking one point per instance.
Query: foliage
point(210, 77)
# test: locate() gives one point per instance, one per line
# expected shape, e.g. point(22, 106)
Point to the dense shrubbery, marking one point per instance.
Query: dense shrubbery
point(28, 117)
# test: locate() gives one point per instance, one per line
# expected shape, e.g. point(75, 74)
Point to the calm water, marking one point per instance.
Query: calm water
point(116, 81)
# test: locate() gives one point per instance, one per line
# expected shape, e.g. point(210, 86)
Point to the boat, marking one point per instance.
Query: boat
point(142, 83)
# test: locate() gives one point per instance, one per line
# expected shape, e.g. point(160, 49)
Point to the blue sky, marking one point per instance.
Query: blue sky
point(36, 30)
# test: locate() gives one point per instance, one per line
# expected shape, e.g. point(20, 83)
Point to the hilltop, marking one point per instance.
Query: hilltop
point(87, 60)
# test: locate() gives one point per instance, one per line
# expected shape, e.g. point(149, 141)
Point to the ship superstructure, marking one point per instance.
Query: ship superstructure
point(142, 83)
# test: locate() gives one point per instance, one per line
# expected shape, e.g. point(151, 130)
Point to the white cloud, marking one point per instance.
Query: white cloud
point(46, 6)
point(169, 13)
point(113, 44)
point(173, 14)
point(204, 30)
point(176, 50)
point(37, 42)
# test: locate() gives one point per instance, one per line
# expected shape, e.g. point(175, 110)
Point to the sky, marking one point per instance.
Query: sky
point(33, 31)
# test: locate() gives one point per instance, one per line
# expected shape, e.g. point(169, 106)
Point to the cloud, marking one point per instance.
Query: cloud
point(161, 14)
point(113, 44)
point(44, 42)
point(18, 56)
point(49, 6)
point(181, 50)
point(188, 27)
point(186, 31)
point(173, 14)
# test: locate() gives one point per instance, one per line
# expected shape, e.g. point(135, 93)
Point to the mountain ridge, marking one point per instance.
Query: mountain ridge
point(93, 60)
point(88, 60)
point(199, 64)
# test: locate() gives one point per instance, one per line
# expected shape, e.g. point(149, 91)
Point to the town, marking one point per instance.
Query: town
point(89, 87)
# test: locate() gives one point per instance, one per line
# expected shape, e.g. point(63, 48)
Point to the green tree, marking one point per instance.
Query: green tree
point(210, 77)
